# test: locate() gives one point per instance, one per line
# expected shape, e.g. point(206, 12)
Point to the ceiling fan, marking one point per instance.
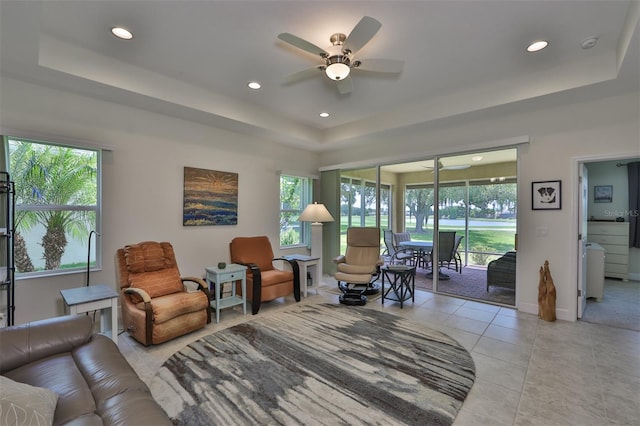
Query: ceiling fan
point(451, 167)
point(338, 60)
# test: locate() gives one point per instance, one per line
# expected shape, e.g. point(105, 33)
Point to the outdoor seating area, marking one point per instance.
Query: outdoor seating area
point(471, 284)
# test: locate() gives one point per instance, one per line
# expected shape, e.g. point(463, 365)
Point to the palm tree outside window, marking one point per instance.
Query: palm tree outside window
point(57, 205)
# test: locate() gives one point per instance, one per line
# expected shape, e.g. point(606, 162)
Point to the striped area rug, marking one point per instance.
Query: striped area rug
point(317, 364)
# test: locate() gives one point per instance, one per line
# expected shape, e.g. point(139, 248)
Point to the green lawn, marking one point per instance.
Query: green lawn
point(485, 235)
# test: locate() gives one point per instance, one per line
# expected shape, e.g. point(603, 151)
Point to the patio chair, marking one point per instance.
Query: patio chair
point(399, 237)
point(396, 254)
point(456, 258)
point(446, 253)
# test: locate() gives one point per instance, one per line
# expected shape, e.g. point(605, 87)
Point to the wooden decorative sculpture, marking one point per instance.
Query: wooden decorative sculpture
point(546, 294)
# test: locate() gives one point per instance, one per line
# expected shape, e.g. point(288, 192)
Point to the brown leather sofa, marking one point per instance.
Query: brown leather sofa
point(94, 383)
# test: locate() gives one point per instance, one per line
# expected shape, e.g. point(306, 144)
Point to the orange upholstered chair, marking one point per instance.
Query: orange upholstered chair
point(156, 305)
point(264, 281)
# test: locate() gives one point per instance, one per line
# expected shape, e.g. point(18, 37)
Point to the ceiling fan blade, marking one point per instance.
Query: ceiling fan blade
point(361, 34)
point(458, 167)
point(345, 86)
point(302, 44)
point(390, 66)
point(304, 74)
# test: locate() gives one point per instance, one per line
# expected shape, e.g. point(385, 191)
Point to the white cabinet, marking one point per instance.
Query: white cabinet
point(614, 238)
point(595, 271)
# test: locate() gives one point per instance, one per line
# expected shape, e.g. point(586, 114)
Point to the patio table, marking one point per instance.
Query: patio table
point(424, 247)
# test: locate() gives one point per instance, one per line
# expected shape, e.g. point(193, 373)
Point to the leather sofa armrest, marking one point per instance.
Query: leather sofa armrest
point(30, 342)
point(340, 259)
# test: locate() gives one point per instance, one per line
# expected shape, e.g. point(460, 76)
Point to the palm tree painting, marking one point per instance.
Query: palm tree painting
point(210, 197)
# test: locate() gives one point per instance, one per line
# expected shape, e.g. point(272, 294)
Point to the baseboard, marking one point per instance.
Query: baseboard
point(531, 308)
point(528, 308)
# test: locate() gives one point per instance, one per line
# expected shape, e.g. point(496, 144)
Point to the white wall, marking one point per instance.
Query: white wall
point(143, 176)
point(143, 181)
point(560, 133)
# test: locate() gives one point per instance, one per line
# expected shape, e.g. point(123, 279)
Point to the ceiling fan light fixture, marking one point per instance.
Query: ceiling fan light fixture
point(122, 33)
point(337, 67)
point(537, 46)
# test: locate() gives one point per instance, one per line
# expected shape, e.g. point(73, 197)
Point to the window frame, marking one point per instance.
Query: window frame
point(95, 261)
point(306, 198)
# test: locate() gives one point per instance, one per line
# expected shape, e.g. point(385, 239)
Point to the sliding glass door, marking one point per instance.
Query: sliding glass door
point(469, 198)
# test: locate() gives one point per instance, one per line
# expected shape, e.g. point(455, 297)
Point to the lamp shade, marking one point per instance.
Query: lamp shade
point(315, 213)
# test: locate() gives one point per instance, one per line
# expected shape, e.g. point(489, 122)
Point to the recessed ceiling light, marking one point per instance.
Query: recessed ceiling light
point(537, 46)
point(588, 43)
point(324, 114)
point(476, 158)
point(122, 33)
point(254, 85)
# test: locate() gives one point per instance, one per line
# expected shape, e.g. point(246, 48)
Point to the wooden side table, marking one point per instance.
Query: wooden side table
point(305, 262)
point(92, 298)
point(216, 278)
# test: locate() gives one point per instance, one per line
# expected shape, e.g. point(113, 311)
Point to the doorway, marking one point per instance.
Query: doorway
point(607, 205)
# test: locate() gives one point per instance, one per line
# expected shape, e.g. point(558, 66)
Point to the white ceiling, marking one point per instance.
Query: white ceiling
point(193, 59)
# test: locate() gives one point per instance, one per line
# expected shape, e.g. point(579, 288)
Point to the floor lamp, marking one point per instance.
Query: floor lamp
point(316, 214)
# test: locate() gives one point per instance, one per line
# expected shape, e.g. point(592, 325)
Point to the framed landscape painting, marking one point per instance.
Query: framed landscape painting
point(603, 194)
point(210, 197)
point(546, 195)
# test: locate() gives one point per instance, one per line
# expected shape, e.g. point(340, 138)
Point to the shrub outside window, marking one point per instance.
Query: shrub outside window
point(57, 206)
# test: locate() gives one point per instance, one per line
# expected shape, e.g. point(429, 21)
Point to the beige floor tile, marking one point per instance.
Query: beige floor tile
point(529, 372)
point(488, 405)
point(502, 373)
point(511, 335)
point(516, 354)
point(466, 324)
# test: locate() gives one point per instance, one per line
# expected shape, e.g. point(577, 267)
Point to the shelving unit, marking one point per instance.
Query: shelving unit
point(7, 229)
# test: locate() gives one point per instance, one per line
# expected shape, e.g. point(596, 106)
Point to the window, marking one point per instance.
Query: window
point(57, 206)
point(295, 195)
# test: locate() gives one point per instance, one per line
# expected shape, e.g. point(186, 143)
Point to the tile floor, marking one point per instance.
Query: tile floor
point(528, 371)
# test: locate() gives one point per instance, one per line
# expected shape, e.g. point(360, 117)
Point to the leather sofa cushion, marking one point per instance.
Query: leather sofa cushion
point(98, 386)
point(171, 306)
point(23, 343)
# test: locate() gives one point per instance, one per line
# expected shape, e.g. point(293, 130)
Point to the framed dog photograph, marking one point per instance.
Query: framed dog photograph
point(546, 195)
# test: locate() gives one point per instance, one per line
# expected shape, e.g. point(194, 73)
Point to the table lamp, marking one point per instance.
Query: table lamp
point(316, 214)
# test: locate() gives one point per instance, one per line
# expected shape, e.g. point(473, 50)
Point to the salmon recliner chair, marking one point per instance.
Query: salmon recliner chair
point(156, 304)
point(264, 281)
point(359, 267)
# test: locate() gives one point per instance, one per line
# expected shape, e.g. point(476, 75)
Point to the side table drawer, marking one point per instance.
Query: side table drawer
point(230, 276)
